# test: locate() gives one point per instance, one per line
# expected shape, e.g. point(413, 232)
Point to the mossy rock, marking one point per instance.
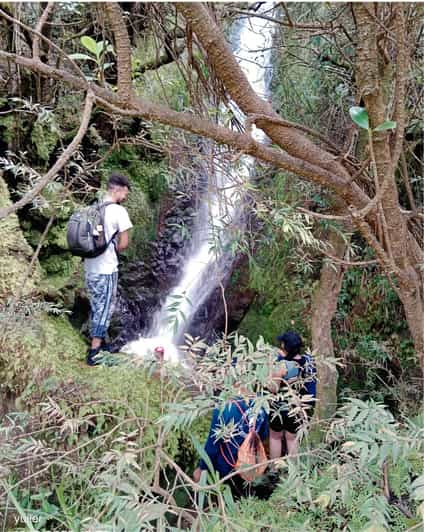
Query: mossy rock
point(46, 358)
point(15, 254)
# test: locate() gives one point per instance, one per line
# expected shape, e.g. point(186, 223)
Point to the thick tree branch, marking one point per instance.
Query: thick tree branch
point(252, 119)
point(230, 73)
point(123, 50)
point(59, 164)
point(39, 30)
point(137, 107)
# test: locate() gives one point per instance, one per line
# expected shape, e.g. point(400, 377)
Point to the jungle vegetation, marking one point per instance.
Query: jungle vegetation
point(334, 249)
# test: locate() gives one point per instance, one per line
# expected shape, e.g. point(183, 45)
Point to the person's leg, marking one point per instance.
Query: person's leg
point(113, 290)
point(292, 443)
point(102, 293)
point(275, 444)
point(239, 487)
point(96, 342)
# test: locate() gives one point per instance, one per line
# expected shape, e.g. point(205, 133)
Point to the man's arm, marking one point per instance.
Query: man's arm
point(123, 241)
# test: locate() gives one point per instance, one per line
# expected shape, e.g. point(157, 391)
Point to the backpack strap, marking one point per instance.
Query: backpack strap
point(102, 207)
point(232, 465)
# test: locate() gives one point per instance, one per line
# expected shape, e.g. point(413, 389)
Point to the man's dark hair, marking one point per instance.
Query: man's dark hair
point(292, 343)
point(118, 180)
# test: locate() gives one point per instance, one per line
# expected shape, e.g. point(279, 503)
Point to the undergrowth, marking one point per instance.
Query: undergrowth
point(113, 447)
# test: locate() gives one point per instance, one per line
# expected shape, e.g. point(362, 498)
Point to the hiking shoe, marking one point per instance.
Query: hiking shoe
point(92, 359)
point(107, 347)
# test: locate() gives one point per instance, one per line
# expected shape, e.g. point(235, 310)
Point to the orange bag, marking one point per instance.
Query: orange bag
point(251, 452)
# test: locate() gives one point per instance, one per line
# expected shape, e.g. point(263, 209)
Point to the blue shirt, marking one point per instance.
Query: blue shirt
point(307, 371)
point(223, 454)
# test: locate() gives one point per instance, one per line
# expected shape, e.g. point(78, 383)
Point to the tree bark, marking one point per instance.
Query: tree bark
point(123, 50)
point(324, 306)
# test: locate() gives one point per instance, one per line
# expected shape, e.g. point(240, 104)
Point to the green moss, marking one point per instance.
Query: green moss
point(148, 184)
point(46, 356)
point(45, 135)
point(12, 127)
point(15, 253)
point(283, 296)
point(149, 176)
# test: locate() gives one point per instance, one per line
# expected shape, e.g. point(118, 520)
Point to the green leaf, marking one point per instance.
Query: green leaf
point(83, 57)
point(21, 511)
point(228, 498)
point(418, 488)
point(388, 124)
point(360, 116)
point(203, 454)
point(99, 48)
point(90, 44)
point(203, 482)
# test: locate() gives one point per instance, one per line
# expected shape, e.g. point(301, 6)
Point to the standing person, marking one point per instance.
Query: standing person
point(297, 370)
point(101, 273)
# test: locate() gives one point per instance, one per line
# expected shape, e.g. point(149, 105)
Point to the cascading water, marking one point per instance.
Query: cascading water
point(205, 265)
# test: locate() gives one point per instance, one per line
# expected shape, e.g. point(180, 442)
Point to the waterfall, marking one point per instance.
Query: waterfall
point(205, 265)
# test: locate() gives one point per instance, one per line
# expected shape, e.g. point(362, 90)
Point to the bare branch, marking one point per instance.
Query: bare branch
point(372, 241)
point(405, 177)
point(59, 164)
point(286, 12)
point(343, 262)
point(289, 23)
point(48, 41)
point(39, 30)
point(323, 216)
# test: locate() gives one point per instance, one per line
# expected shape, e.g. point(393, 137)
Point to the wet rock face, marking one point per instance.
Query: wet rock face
point(210, 320)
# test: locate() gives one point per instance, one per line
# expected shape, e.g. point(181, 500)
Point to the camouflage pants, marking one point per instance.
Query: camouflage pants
point(102, 290)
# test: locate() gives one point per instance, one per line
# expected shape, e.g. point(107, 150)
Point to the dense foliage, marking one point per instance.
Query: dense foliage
point(114, 447)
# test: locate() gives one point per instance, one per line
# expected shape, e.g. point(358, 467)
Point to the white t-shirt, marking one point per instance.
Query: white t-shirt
point(116, 219)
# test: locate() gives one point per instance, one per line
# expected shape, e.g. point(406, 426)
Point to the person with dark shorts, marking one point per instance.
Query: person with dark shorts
point(297, 371)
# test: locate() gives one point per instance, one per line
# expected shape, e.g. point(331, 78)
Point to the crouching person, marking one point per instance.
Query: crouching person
point(235, 441)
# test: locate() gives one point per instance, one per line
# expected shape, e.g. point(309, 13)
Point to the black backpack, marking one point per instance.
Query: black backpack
point(85, 232)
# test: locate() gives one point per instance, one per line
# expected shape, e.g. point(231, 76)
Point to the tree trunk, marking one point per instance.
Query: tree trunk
point(395, 238)
point(324, 305)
